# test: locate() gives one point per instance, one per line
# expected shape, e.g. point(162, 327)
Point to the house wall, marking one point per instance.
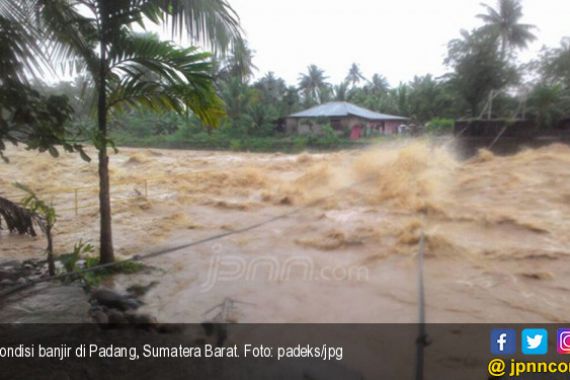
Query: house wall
point(349, 122)
point(391, 126)
point(345, 125)
point(373, 127)
point(356, 127)
point(309, 128)
point(291, 125)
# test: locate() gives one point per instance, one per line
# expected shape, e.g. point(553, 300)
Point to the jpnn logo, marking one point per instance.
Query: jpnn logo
point(534, 341)
point(503, 341)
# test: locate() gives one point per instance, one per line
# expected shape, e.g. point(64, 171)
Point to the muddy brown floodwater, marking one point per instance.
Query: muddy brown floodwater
point(497, 230)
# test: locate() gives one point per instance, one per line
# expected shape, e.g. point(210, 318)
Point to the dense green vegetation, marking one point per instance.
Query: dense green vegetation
point(144, 129)
point(484, 80)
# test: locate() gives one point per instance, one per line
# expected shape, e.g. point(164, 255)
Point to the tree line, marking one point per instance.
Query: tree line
point(482, 65)
point(484, 79)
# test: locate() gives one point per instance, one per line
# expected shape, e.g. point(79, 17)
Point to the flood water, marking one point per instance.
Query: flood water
point(496, 228)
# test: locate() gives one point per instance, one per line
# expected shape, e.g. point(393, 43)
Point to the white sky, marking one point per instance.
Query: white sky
point(396, 38)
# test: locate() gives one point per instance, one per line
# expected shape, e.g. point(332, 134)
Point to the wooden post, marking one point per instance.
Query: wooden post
point(422, 340)
point(76, 202)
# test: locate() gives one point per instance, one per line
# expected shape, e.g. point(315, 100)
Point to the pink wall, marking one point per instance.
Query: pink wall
point(391, 126)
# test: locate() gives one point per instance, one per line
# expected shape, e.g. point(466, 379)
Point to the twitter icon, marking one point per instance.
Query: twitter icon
point(534, 341)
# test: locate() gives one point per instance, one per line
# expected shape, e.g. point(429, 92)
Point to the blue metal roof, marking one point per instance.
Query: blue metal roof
point(343, 109)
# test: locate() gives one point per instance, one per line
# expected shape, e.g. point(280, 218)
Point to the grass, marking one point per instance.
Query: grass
point(289, 144)
point(96, 277)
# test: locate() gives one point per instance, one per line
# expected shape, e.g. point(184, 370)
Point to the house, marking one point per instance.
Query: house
point(345, 118)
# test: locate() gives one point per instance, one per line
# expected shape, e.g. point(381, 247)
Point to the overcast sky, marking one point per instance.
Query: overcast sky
point(396, 38)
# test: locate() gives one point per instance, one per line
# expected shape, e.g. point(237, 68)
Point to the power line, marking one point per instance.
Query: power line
point(166, 251)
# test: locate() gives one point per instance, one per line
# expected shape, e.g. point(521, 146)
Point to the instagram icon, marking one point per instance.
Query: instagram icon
point(563, 341)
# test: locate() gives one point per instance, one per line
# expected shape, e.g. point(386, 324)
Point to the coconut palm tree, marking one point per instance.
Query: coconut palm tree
point(379, 84)
point(313, 84)
point(272, 88)
point(239, 63)
point(503, 23)
point(341, 92)
point(97, 38)
point(354, 75)
point(290, 100)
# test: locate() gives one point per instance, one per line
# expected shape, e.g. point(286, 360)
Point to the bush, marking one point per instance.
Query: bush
point(235, 144)
point(237, 135)
point(327, 139)
point(94, 278)
point(440, 126)
point(300, 143)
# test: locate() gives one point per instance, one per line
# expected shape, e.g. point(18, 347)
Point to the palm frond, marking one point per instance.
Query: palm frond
point(19, 51)
point(521, 35)
point(492, 15)
point(502, 22)
point(71, 30)
point(71, 37)
point(156, 74)
point(212, 22)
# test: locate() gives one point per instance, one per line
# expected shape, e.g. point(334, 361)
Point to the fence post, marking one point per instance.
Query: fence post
point(76, 203)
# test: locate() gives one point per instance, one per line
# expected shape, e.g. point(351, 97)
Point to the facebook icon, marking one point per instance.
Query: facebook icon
point(503, 341)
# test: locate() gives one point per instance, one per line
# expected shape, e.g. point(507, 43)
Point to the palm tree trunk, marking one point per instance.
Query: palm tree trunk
point(106, 235)
point(504, 42)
